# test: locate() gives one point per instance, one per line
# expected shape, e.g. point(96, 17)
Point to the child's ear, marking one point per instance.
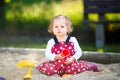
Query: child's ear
point(67, 30)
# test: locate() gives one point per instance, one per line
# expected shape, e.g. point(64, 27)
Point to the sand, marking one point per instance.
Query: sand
point(9, 70)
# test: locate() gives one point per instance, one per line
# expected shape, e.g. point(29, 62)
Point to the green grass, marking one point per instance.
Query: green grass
point(23, 42)
point(24, 45)
point(106, 48)
point(42, 45)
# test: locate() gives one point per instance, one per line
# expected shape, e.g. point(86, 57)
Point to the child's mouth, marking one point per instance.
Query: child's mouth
point(59, 31)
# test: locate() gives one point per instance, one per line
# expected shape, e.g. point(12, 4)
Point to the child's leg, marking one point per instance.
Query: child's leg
point(92, 66)
point(77, 67)
point(47, 68)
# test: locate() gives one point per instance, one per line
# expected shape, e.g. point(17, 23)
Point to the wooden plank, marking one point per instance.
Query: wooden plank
point(101, 2)
point(105, 58)
point(101, 21)
point(102, 6)
point(102, 10)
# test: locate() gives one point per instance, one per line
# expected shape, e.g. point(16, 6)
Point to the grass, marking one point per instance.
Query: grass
point(38, 43)
point(107, 47)
point(23, 42)
point(24, 45)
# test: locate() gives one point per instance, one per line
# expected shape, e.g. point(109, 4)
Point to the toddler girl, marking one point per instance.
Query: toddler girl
point(59, 62)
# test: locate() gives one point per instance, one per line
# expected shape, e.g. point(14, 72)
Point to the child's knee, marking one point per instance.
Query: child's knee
point(48, 70)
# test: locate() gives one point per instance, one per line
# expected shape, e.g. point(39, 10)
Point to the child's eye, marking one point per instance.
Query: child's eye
point(62, 26)
point(56, 26)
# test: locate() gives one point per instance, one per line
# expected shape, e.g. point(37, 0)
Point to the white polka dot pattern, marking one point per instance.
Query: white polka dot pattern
point(58, 66)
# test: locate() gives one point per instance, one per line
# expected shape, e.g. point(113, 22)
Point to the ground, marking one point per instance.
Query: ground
point(9, 70)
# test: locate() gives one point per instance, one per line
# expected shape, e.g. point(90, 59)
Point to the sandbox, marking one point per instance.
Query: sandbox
point(9, 57)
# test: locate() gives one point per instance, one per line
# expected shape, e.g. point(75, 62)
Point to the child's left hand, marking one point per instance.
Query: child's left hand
point(68, 61)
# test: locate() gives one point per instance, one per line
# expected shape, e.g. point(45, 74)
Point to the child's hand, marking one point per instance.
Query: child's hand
point(58, 57)
point(68, 61)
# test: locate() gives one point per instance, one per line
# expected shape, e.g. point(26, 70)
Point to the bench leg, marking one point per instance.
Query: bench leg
point(99, 35)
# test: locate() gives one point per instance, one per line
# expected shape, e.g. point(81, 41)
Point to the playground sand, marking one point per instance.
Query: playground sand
point(10, 71)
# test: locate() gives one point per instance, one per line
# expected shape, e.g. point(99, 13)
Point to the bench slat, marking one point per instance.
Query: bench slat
point(102, 10)
point(101, 2)
point(102, 6)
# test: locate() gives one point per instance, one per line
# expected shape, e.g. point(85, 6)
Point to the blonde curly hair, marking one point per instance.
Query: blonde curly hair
point(67, 22)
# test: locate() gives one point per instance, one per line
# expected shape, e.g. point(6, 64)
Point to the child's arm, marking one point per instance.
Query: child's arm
point(48, 54)
point(58, 57)
point(71, 59)
point(78, 51)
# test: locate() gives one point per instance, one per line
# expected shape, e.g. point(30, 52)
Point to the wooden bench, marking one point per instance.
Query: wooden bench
point(101, 7)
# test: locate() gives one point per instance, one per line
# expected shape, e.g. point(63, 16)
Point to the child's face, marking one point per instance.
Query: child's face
point(59, 28)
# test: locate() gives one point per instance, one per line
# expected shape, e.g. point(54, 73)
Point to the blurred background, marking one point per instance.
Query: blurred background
point(24, 23)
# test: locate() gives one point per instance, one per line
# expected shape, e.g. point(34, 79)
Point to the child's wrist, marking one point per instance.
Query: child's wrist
point(73, 58)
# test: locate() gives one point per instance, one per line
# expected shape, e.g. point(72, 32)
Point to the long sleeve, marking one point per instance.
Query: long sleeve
point(48, 53)
point(78, 51)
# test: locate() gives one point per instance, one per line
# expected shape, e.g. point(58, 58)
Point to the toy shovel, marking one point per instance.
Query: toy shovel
point(29, 64)
point(65, 53)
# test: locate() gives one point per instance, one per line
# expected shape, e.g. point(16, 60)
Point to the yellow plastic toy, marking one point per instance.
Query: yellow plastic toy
point(29, 64)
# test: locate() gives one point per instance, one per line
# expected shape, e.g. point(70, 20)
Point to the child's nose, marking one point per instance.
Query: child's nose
point(59, 28)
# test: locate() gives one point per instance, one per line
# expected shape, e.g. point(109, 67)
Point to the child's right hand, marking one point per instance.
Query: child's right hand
point(58, 57)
